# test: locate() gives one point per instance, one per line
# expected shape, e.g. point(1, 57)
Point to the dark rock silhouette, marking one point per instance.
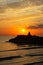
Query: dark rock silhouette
point(27, 40)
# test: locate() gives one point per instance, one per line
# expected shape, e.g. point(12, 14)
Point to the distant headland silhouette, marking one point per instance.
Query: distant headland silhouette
point(27, 40)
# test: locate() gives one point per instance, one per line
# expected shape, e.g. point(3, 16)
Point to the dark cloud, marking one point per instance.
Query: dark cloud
point(3, 8)
point(35, 27)
point(40, 25)
point(36, 2)
point(25, 3)
point(20, 4)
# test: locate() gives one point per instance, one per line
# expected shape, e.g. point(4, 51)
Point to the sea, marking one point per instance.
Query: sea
point(12, 54)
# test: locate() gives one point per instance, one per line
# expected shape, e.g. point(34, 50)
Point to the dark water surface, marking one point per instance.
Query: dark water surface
point(11, 54)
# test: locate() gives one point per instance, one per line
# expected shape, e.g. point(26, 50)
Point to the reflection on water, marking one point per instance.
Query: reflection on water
point(7, 46)
point(19, 57)
point(11, 54)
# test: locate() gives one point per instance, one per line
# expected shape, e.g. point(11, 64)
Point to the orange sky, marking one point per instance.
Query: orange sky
point(25, 14)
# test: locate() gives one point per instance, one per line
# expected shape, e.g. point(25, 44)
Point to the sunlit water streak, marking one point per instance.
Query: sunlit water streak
point(10, 50)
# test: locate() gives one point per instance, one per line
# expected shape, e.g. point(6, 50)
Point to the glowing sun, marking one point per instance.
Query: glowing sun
point(23, 31)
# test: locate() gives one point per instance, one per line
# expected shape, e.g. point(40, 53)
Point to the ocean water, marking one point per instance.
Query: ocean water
point(11, 54)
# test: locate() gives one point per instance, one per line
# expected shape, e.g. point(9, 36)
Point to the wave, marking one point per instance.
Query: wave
point(34, 55)
point(21, 49)
point(15, 57)
point(10, 58)
point(35, 63)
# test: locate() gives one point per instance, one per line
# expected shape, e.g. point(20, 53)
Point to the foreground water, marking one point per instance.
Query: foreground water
point(11, 54)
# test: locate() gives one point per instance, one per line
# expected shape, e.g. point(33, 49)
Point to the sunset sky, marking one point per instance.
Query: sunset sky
point(21, 17)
